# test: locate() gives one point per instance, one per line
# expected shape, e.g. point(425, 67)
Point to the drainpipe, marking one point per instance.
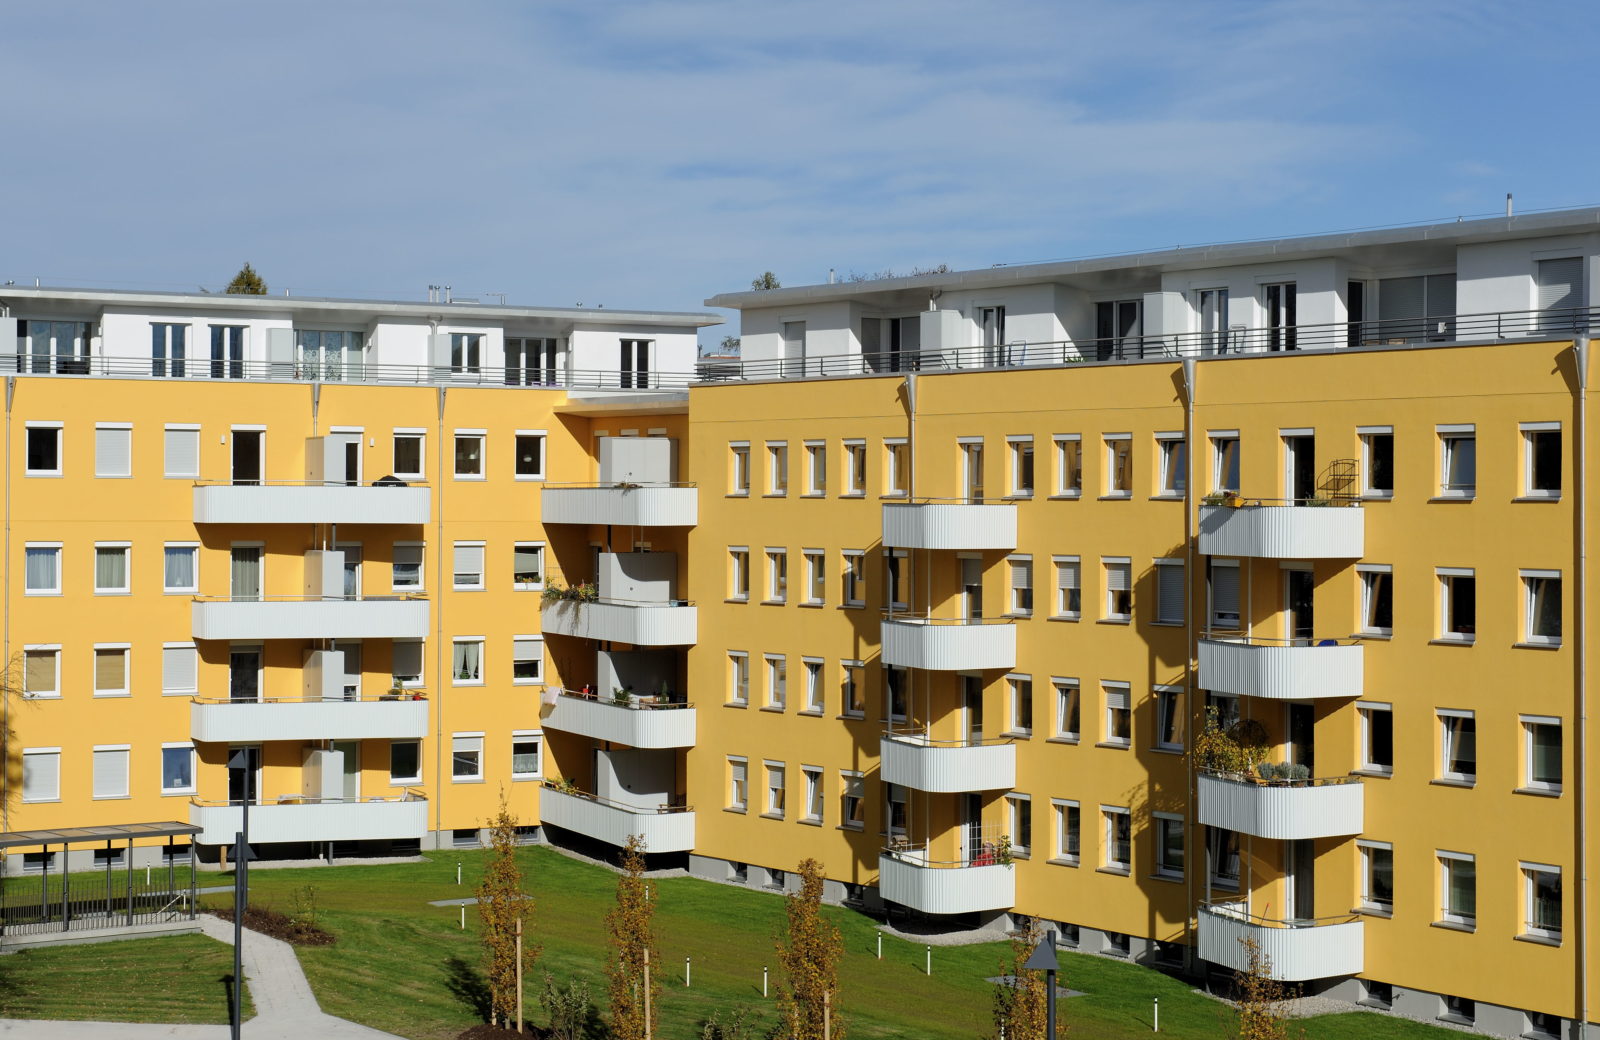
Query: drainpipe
point(438, 618)
point(1580, 356)
point(1192, 580)
point(5, 700)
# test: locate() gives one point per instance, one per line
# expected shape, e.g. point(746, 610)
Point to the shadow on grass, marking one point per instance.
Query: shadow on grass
point(226, 982)
point(468, 985)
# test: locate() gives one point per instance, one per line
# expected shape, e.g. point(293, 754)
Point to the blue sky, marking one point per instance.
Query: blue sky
point(651, 154)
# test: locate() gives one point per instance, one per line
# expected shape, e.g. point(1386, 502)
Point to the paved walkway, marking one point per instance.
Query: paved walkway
point(286, 1009)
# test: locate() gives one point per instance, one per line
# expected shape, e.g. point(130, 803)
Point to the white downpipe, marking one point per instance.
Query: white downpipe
point(1580, 352)
point(1190, 372)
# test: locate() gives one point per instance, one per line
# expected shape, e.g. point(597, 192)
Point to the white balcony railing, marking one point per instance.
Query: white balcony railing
point(641, 624)
point(670, 829)
point(299, 819)
point(639, 722)
point(950, 525)
point(913, 760)
point(1278, 669)
point(630, 505)
point(371, 718)
point(949, 644)
point(1288, 810)
point(301, 617)
point(1283, 531)
point(1294, 951)
point(906, 876)
point(301, 503)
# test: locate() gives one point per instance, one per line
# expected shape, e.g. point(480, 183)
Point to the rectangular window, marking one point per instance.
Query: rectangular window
point(739, 573)
point(527, 755)
point(1377, 876)
point(895, 693)
point(1021, 585)
point(1458, 604)
point(1541, 607)
point(1169, 718)
point(1069, 710)
point(466, 757)
point(738, 784)
point(1225, 462)
point(527, 660)
point(529, 460)
point(41, 671)
point(41, 774)
point(527, 566)
point(469, 454)
point(467, 565)
point(466, 353)
point(777, 575)
point(855, 467)
point(179, 670)
point(405, 762)
point(43, 450)
point(1069, 591)
point(1458, 889)
point(1069, 465)
point(1169, 845)
point(111, 771)
point(739, 468)
point(177, 769)
point(1541, 460)
point(1458, 461)
point(1119, 588)
point(852, 692)
point(1068, 827)
point(854, 592)
point(852, 800)
point(1170, 592)
point(168, 349)
point(406, 665)
point(1019, 813)
point(43, 569)
point(1541, 753)
point(180, 567)
point(816, 468)
point(1118, 730)
point(113, 450)
point(180, 456)
point(813, 807)
point(1458, 746)
point(777, 681)
point(1541, 902)
point(466, 661)
point(896, 467)
point(1377, 737)
point(1173, 478)
point(1020, 724)
point(409, 453)
point(814, 694)
point(1021, 466)
point(1118, 852)
point(738, 678)
point(1222, 848)
point(111, 568)
point(1119, 465)
point(1377, 599)
point(776, 773)
point(816, 576)
point(407, 573)
point(777, 468)
point(1377, 461)
point(111, 671)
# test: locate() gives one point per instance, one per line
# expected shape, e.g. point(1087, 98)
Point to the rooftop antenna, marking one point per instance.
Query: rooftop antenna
point(830, 276)
point(1508, 204)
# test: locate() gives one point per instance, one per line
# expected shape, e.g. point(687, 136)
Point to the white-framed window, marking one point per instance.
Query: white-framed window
point(527, 660)
point(1458, 746)
point(738, 783)
point(1222, 848)
point(111, 771)
point(41, 774)
point(1172, 477)
point(1069, 464)
point(816, 467)
point(1377, 461)
point(855, 467)
point(1119, 587)
point(180, 669)
point(813, 806)
point(1541, 901)
point(1069, 709)
point(1019, 819)
point(180, 450)
point(42, 449)
point(1458, 888)
point(777, 467)
point(1169, 839)
point(1021, 569)
point(897, 577)
point(852, 689)
point(41, 670)
point(1224, 591)
point(1021, 483)
point(466, 757)
point(410, 453)
point(527, 754)
point(466, 661)
point(1541, 459)
point(1169, 717)
point(777, 779)
point(177, 768)
point(180, 567)
point(973, 487)
point(1068, 826)
point(528, 460)
point(739, 572)
point(1377, 598)
point(111, 669)
point(1377, 737)
point(113, 450)
point(896, 698)
point(1119, 465)
point(852, 800)
point(1170, 592)
point(466, 353)
point(739, 468)
point(406, 572)
point(1117, 852)
point(469, 449)
point(1377, 875)
point(111, 577)
point(1224, 460)
point(405, 762)
point(406, 662)
point(738, 677)
point(42, 567)
point(1541, 607)
point(816, 576)
point(1541, 753)
point(1069, 587)
point(1458, 604)
point(814, 691)
point(854, 591)
point(1118, 718)
point(466, 568)
point(896, 467)
point(527, 566)
point(777, 681)
point(777, 575)
point(1458, 460)
point(1019, 720)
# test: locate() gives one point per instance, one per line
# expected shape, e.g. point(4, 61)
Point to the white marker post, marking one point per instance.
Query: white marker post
point(880, 946)
point(763, 980)
point(930, 960)
point(686, 971)
point(1155, 1015)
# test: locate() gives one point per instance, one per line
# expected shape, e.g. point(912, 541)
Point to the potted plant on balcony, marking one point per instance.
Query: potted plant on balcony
point(1232, 752)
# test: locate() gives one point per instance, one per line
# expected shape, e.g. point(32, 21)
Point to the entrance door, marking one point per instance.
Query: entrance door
point(1299, 871)
point(351, 750)
point(244, 785)
point(972, 707)
point(972, 825)
point(1300, 468)
point(1211, 305)
point(1302, 723)
point(972, 587)
point(1300, 621)
point(245, 573)
point(352, 462)
point(352, 570)
point(1279, 300)
point(244, 673)
point(247, 456)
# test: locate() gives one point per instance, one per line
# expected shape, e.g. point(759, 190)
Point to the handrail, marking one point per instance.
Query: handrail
point(392, 597)
point(920, 738)
point(1231, 908)
point(626, 485)
point(410, 794)
point(954, 500)
point(1233, 500)
point(890, 614)
point(1300, 642)
point(1252, 780)
point(908, 854)
point(395, 483)
point(631, 704)
point(409, 694)
point(662, 810)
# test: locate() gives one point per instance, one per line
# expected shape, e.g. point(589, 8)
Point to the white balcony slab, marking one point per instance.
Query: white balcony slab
point(641, 624)
point(243, 721)
point(613, 823)
point(948, 768)
point(949, 525)
point(1284, 812)
point(372, 820)
point(1283, 532)
point(945, 889)
point(310, 504)
point(1279, 671)
point(949, 646)
point(1294, 954)
point(631, 506)
point(369, 618)
point(640, 727)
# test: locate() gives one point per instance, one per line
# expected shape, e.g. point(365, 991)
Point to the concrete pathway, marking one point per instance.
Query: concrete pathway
point(285, 1007)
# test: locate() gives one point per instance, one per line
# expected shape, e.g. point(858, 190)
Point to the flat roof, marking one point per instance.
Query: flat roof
point(85, 835)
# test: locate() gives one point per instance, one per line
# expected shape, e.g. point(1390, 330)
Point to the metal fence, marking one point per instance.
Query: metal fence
point(117, 896)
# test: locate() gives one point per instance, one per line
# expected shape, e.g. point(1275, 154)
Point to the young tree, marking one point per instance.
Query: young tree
point(767, 280)
point(502, 905)
point(635, 1007)
point(247, 283)
point(1263, 1001)
point(1019, 1003)
point(808, 962)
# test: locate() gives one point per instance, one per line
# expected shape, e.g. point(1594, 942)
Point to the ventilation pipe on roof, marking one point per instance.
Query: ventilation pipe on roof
point(1508, 204)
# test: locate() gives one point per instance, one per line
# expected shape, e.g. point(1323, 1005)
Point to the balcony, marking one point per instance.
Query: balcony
point(906, 876)
point(632, 505)
point(949, 644)
point(1287, 810)
point(1280, 669)
point(669, 829)
point(370, 718)
point(639, 722)
point(1295, 951)
point(950, 525)
point(305, 503)
point(300, 819)
point(673, 623)
point(955, 766)
point(307, 617)
point(1283, 531)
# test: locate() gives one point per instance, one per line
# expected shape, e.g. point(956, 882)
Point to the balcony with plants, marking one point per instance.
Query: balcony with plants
point(1242, 790)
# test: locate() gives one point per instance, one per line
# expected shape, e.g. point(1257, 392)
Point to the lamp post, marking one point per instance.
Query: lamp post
point(240, 760)
point(1043, 958)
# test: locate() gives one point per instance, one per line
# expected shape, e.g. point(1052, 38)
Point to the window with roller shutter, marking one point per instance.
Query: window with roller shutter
point(113, 450)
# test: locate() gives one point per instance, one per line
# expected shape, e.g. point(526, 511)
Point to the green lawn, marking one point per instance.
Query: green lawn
point(170, 978)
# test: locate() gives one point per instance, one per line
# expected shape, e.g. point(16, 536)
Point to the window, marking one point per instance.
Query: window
point(1169, 718)
point(1068, 709)
point(467, 565)
point(1377, 737)
point(1019, 816)
point(1541, 460)
point(1170, 592)
point(739, 468)
point(179, 670)
point(738, 783)
point(61, 347)
point(1458, 889)
point(41, 671)
point(527, 755)
point(168, 349)
point(814, 695)
point(43, 450)
point(1069, 465)
point(1020, 723)
point(407, 573)
point(855, 467)
point(1541, 607)
point(775, 789)
point(1119, 588)
point(181, 451)
point(466, 352)
point(1169, 845)
point(111, 568)
point(111, 771)
point(855, 577)
point(851, 691)
point(408, 453)
point(816, 576)
point(813, 807)
point(1119, 465)
point(1377, 461)
point(777, 468)
point(896, 467)
point(1068, 847)
point(1458, 746)
point(1279, 300)
point(1458, 461)
point(738, 678)
point(739, 573)
point(469, 454)
point(897, 577)
point(1458, 604)
point(41, 774)
point(1225, 462)
point(1021, 466)
point(777, 575)
point(177, 768)
point(113, 450)
point(852, 801)
point(1222, 848)
point(1118, 852)
point(43, 567)
point(527, 565)
point(111, 671)
point(1377, 598)
point(1118, 716)
point(1377, 876)
point(816, 468)
point(527, 660)
point(1069, 592)
point(1021, 585)
point(972, 477)
point(635, 363)
point(777, 681)
point(894, 693)
point(466, 757)
point(405, 762)
point(180, 570)
point(1541, 753)
point(466, 661)
point(1174, 459)
point(1541, 901)
point(406, 665)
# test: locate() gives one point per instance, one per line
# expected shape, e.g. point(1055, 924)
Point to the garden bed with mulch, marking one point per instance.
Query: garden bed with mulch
point(280, 926)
